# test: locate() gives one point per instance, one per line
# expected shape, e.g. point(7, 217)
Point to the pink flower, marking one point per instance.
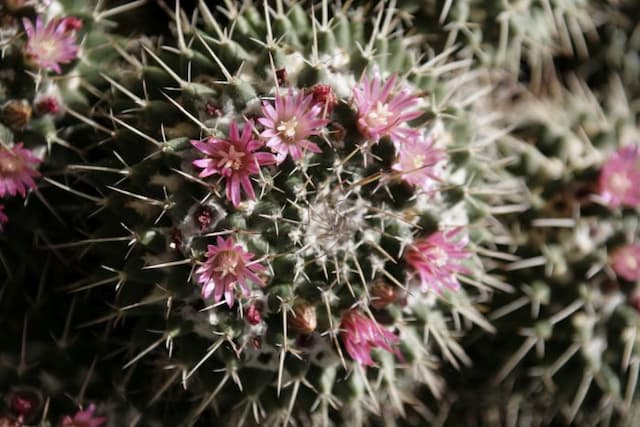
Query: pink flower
point(382, 114)
point(226, 266)
point(17, 170)
point(290, 123)
point(84, 419)
point(620, 178)
point(360, 335)
point(417, 160)
point(625, 261)
point(436, 259)
point(235, 158)
point(3, 218)
point(51, 45)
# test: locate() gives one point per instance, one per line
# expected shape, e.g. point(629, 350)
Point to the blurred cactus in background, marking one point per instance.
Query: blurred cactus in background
point(271, 213)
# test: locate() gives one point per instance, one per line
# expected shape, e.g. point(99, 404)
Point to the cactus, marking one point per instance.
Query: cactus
point(575, 266)
point(51, 366)
point(280, 213)
point(292, 208)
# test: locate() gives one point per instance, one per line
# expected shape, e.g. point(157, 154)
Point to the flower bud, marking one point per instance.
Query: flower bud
point(382, 294)
point(16, 113)
point(303, 318)
point(253, 313)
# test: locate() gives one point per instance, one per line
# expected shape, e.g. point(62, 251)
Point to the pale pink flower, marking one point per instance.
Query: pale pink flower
point(227, 266)
point(17, 170)
point(625, 261)
point(289, 124)
point(3, 218)
point(620, 178)
point(84, 419)
point(360, 335)
point(235, 158)
point(383, 113)
point(437, 259)
point(52, 44)
point(418, 160)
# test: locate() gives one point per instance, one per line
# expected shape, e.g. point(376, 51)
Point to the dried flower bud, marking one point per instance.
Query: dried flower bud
point(303, 318)
point(382, 294)
point(16, 113)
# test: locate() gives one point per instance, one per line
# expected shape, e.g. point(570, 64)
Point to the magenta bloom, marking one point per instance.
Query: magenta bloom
point(235, 158)
point(3, 218)
point(290, 123)
point(50, 45)
point(436, 259)
point(227, 266)
point(625, 261)
point(84, 419)
point(417, 160)
point(17, 170)
point(360, 335)
point(381, 113)
point(620, 178)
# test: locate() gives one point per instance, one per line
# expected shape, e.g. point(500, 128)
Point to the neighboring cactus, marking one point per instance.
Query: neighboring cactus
point(48, 367)
point(275, 164)
point(575, 267)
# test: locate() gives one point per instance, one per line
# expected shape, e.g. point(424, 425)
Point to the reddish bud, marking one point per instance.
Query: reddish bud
point(48, 105)
point(21, 405)
point(24, 403)
point(253, 313)
point(323, 95)
point(71, 23)
point(204, 217)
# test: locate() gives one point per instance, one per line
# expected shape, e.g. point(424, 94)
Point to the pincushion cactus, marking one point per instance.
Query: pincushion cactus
point(281, 213)
point(298, 194)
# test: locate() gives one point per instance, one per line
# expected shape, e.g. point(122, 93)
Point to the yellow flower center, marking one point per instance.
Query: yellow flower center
point(439, 257)
point(10, 165)
point(227, 262)
point(631, 262)
point(288, 128)
point(379, 116)
point(418, 161)
point(233, 159)
point(620, 183)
